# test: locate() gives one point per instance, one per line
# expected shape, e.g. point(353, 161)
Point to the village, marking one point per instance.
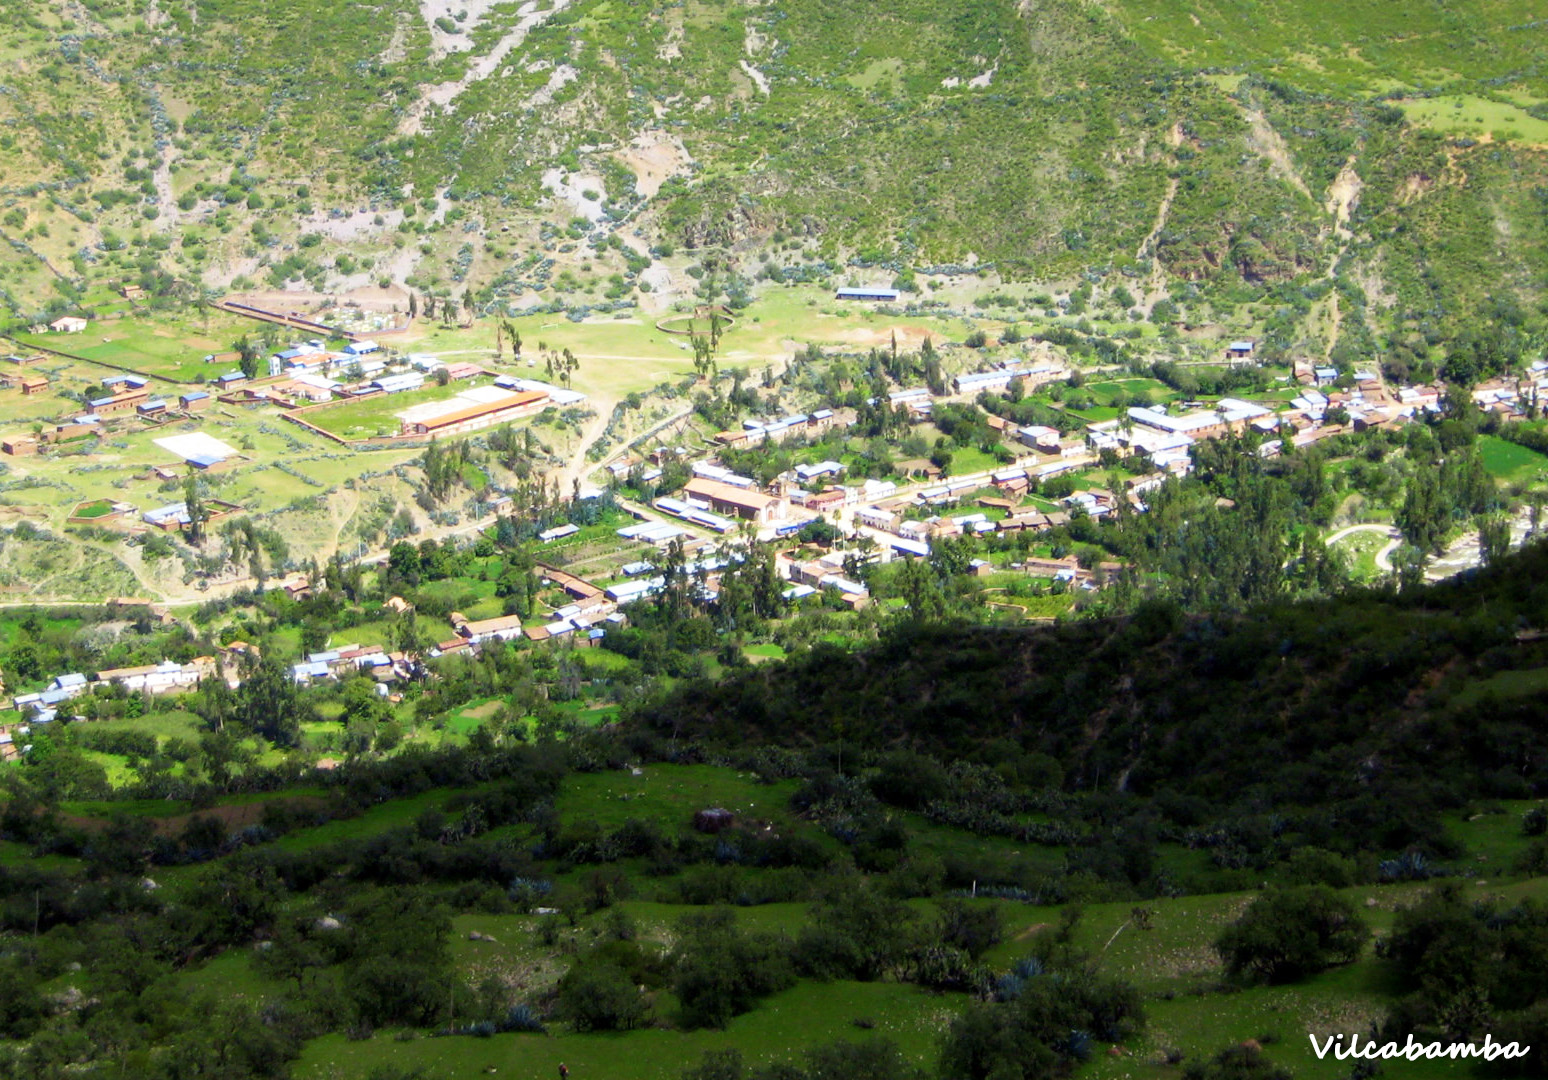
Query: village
point(824, 525)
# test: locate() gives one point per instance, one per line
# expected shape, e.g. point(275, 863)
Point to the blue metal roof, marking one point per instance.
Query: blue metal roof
point(197, 395)
point(204, 461)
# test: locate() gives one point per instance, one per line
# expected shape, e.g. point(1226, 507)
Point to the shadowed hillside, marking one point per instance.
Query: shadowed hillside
point(1365, 715)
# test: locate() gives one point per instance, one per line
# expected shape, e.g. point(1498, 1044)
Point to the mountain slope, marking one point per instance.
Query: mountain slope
point(1242, 148)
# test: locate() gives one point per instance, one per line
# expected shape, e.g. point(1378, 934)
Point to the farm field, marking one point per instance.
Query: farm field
point(1510, 462)
point(625, 355)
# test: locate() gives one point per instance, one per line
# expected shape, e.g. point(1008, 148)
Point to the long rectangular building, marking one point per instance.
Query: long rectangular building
point(480, 414)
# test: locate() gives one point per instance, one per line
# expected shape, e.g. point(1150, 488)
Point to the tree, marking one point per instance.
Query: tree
point(1409, 562)
point(198, 513)
point(921, 590)
point(720, 972)
point(1493, 537)
point(1287, 934)
point(400, 968)
point(248, 355)
point(859, 933)
point(269, 704)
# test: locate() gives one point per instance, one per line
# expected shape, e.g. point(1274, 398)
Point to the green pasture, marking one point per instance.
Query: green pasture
point(169, 346)
point(1510, 462)
point(780, 1029)
point(669, 795)
point(1468, 114)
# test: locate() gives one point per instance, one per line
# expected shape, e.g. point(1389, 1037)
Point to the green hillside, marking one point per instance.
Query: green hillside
point(1369, 171)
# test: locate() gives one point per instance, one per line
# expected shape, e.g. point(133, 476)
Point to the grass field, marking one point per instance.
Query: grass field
point(1504, 685)
point(169, 346)
point(393, 815)
point(810, 1015)
point(1511, 463)
point(377, 414)
point(670, 794)
point(1119, 391)
point(623, 355)
point(1466, 114)
point(970, 459)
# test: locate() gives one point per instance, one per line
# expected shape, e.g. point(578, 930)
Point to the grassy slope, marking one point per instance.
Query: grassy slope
point(1042, 138)
point(1172, 963)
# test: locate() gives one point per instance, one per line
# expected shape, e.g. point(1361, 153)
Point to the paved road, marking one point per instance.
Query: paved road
point(1384, 556)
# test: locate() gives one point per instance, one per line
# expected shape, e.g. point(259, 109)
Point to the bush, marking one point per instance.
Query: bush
point(910, 780)
point(1043, 1030)
point(721, 973)
point(1244, 1062)
point(1314, 866)
point(973, 928)
point(858, 934)
point(1291, 933)
point(521, 1018)
point(600, 996)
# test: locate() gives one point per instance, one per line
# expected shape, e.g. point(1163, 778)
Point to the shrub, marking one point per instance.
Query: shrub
point(1314, 866)
point(973, 928)
point(1288, 934)
point(1243, 1062)
point(910, 780)
point(600, 996)
point(858, 934)
point(1043, 1030)
point(721, 973)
